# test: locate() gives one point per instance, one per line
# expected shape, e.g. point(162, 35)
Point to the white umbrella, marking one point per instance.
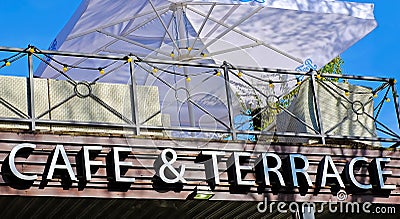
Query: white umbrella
point(288, 34)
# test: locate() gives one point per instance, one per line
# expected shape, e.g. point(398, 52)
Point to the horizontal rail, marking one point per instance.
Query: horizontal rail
point(222, 133)
point(189, 64)
point(194, 129)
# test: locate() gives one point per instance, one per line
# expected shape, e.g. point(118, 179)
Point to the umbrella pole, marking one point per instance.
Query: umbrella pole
point(182, 33)
point(190, 105)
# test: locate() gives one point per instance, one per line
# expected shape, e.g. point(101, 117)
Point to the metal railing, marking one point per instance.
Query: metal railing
point(229, 129)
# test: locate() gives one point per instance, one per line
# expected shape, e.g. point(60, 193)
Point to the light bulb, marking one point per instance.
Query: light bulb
point(271, 85)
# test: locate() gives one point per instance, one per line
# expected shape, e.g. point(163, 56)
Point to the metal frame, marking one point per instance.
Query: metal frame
point(223, 24)
point(31, 97)
point(317, 107)
point(134, 124)
point(230, 28)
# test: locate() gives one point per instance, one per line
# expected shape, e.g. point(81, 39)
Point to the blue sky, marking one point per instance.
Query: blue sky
point(37, 22)
point(378, 53)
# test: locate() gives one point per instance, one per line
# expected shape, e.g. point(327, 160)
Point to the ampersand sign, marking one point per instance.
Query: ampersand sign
point(170, 175)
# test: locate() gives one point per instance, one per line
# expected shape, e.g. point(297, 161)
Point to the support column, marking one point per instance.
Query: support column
point(134, 102)
point(229, 101)
point(30, 92)
point(317, 108)
point(396, 101)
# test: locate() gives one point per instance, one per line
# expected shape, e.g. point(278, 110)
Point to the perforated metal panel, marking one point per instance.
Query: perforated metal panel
point(63, 101)
point(14, 101)
point(346, 110)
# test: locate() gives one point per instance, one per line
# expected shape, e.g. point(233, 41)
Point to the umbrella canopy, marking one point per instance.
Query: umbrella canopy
point(288, 34)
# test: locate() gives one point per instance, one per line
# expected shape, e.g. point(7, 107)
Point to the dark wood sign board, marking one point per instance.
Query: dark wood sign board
point(147, 185)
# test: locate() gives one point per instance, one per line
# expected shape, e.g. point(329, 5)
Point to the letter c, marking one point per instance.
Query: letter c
point(11, 161)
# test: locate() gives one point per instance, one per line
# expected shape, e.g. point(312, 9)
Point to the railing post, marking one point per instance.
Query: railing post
point(31, 95)
point(134, 106)
point(229, 101)
point(317, 108)
point(396, 101)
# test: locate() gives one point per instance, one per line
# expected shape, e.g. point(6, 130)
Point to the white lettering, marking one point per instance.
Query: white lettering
point(381, 173)
point(326, 162)
point(11, 161)
point(88, 162)
point(302, 170)
point(351, 173)
point(118, 164)
point(212, 165)
point(66, 166)
point(266, 169)
point(234, 160)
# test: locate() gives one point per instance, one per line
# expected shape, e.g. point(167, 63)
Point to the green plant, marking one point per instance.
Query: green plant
point(333, 67)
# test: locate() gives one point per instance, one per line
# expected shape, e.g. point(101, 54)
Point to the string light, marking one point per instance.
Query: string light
point(318, 76)
point(31, 50)
point(188, 79)
point(240, 74)
point(271, 85)
point(189, 49)
point(65, 68)
point(203, 55)
point(387, 100)
point(298, 81)
point(155, 70)
point(218, 73)
point(8, 63)
point(346, 93)
point(375, 95)
point(172, 54)
point(101, 71)
point(129, 60)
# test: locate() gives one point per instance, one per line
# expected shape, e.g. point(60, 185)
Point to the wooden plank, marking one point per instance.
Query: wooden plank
point(145, 150)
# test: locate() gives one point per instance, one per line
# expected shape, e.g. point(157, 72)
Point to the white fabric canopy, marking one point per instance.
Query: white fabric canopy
point(287, 34)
